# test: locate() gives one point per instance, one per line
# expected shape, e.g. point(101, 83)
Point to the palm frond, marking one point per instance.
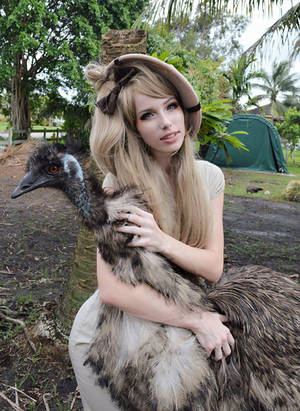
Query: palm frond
point(296, 49)
point(170, 10)
point(285, 24)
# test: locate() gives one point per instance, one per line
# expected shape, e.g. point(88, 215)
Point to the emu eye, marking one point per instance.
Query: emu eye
point(52, 169)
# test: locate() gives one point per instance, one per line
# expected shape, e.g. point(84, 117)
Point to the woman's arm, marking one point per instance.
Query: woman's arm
point(145, 303)
point(208, 262)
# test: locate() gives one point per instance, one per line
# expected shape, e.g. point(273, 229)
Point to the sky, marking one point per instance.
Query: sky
point(259, 23)
point(276, 52)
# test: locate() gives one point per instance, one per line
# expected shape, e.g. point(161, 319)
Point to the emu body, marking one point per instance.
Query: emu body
point(149, 366)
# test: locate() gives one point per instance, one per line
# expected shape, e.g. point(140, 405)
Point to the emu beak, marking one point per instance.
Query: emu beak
point(29, 183)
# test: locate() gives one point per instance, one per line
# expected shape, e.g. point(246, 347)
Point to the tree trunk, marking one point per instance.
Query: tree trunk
point(292, 156)
point(20, 112)
point(82, 279)
point(286, 152)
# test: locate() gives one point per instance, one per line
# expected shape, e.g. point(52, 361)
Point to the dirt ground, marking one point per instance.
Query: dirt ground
point(37, 238)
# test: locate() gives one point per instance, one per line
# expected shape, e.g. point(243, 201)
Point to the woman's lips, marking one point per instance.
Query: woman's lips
point(170, 138)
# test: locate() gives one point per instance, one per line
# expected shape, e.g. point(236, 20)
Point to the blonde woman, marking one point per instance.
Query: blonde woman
point(146, 117)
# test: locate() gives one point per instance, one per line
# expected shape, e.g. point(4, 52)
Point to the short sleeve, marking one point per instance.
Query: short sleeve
point(110, 181)
point(213, 176)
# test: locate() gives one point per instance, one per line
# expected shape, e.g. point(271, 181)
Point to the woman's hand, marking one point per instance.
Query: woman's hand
point(213, 335)
point(145, 229)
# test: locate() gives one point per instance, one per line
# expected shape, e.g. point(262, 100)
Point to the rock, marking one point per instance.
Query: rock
point(253, 189)
point(292, 191)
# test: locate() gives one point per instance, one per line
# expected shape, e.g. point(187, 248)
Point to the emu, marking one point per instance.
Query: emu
point(149, 366)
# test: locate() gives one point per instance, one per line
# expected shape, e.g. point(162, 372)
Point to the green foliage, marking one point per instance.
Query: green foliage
point(171, 9)
point(215, 117)
point(176, 61)
point(121, 14)
point(204, 75)
point(45, 44)
point(289, 129)
point(239, 78)
point(206, 78)
point(279, 83)
point(39, 39)
point(214, 36)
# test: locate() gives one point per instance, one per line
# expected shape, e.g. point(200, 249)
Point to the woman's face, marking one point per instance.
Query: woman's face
point(160, 123)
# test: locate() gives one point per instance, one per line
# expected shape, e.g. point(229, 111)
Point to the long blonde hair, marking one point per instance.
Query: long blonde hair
point(117, 147)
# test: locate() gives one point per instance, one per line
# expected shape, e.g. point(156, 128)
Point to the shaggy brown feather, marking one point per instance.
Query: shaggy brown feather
point(149, 366)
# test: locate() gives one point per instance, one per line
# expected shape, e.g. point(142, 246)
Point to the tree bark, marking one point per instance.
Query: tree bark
point(82, 279)
point(20, 111)
point(292, 156)
point(286, 152)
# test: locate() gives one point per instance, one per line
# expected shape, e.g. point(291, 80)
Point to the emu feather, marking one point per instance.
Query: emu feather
point(148, 366)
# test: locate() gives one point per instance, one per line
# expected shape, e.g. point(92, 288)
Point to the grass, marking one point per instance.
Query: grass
point(294, 168)
point(272, 183)
point(45, 128)
point(4, 125)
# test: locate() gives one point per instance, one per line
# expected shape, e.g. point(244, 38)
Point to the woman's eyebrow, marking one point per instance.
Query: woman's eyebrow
point(151, 108)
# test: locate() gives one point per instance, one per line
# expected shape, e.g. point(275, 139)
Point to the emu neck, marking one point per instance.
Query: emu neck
point(77, 193)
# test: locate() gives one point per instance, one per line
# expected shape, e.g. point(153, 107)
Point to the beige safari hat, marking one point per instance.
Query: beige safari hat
point(187, 94)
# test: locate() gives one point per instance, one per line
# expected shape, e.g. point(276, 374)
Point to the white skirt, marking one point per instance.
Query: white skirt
point(94, 398)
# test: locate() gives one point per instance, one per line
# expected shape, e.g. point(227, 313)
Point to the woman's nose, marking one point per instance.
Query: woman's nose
point(165, 121)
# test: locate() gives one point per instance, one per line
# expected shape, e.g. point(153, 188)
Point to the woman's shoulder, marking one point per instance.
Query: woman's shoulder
point(212, 175)
point(203, 164)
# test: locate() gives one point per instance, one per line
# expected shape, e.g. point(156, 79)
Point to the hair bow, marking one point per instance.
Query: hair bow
point(122, 76)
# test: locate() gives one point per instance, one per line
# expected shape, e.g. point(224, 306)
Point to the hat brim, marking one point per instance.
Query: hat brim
point(187, 94)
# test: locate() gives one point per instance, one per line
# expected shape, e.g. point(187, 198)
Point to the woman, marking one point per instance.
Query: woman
point(146, 117)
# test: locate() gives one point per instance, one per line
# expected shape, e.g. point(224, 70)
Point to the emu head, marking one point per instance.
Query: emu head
point(49, 166)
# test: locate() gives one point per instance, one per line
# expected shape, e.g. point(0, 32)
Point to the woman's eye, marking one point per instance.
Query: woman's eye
point(172, 106)
point(52, 169)
point(145, 116)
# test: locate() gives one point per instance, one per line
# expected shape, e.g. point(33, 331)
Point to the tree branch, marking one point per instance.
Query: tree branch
point(22, 324)
point(15, 406)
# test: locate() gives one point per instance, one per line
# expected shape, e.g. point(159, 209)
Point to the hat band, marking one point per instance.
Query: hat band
point(193, 109)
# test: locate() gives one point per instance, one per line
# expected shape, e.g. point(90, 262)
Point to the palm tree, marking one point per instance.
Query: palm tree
point(287, 23)
point(239, 77)
point(173, 9)
point(280, 84)
point(296, 48)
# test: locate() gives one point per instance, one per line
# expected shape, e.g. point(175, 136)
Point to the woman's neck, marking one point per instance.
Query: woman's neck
point(164, 161)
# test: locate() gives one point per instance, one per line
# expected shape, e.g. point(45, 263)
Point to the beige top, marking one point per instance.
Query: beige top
point(212, 175)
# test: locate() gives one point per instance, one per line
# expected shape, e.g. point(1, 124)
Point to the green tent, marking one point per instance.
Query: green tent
point(262, 141)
